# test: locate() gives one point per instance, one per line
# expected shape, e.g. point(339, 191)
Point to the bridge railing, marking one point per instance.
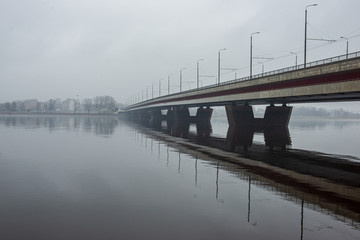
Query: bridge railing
point(297, 67)
point(270, 73)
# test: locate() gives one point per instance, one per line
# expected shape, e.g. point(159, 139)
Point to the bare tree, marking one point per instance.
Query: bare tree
point(38, 106)
point(8, 106)
point(13, 107)
point(87, 103)
point(51, 105)
point(105, 104)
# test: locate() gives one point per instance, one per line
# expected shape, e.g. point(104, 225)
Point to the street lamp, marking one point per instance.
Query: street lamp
point(169, 83)
point(251, 52)
point(219, 65)
point(152, 91)
point(234, 70)
point(181, 69)
point(311, 5)
point(347, 46)
point(197, 72)
point(262, 68)
point(295, 58)
point(160, 87)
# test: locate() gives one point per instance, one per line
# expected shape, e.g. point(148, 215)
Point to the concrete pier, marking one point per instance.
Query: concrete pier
point(277, 116)
point(155, 118)
point(143, 116)
point(244, 116)
point(181, 114)
point(240, 115)
point(203, 116)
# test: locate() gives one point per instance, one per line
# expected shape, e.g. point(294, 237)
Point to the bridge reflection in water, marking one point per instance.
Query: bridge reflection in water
point(325, 183)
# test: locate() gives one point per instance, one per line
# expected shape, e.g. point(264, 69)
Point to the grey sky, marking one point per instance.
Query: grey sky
point(64, 48)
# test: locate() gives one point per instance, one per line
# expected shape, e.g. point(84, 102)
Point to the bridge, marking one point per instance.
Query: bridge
point(327, 80)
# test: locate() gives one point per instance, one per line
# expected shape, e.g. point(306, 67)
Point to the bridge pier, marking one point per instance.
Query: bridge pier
point(177, 115)
point(133, 116)
point(155, 118)
point(203, 116)
point(244, 116)
point(277, 116)
point(240, 115)
point(143, 116)
point(182, 115)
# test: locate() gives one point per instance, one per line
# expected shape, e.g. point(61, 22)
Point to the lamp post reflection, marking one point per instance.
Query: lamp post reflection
point(217, 180)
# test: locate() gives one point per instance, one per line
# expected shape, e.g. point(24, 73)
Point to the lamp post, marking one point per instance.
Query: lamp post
point(152, 91)
point(160, 87)
point(197, 72)
point(234, 70)
point(219, 65)
point(169, 83)
point(305, 40)
point(262, 68)
point(295, 58)
point(347, 46)
point(181, 69)
point(251, 58)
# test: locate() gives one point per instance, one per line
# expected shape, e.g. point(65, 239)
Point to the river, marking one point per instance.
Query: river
point(81, 177)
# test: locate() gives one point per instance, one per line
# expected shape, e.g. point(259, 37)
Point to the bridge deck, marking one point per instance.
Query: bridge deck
point(325, 80)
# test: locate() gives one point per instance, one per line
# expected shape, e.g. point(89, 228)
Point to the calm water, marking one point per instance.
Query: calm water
point(102, 178)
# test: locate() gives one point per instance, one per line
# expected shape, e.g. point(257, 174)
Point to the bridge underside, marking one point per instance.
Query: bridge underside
point(278, 116)
point(333, 82)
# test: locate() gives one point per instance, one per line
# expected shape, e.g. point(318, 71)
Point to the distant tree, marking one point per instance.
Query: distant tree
point(8, 106)
point(38, 106)
point(110, 104)
point(21, 107)
point(98, 104)
point(105, 104)
point(13, 107)
point(87, 103)
point(51, 105)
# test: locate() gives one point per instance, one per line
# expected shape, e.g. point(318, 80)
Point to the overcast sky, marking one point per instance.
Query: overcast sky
point(85, 48)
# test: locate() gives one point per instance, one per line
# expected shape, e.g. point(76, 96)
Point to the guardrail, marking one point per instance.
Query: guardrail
point(266, 74)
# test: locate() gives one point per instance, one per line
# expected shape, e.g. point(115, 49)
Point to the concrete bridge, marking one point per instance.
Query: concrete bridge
point(327, 80)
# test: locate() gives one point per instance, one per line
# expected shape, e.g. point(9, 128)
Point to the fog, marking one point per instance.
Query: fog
point(62, 49)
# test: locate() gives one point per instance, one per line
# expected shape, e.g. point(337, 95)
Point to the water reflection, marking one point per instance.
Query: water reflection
point(325, 183)
point(239, 139)
point(321, 123)
point(190, 185)
point(99, 125)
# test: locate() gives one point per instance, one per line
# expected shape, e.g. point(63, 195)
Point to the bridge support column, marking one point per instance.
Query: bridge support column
point(244, 116)
point(277, 116)
point(155, 118)
point(239, 115)
point(143, 116)
point(181, 114)
point(203, 116)
point(133, 116)
point(170, 117)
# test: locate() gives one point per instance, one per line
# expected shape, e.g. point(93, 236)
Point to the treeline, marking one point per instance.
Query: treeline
point(99, 104)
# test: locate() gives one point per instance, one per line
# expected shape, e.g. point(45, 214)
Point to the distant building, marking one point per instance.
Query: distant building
point(31, 105)
point(68, 105)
